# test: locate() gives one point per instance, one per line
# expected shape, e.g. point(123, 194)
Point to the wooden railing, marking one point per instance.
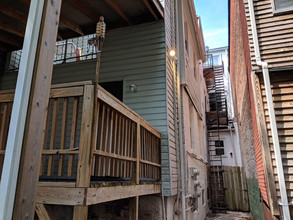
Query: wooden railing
point(62, 140)
point(6, 100)
point(111, 143)
point(126, 145)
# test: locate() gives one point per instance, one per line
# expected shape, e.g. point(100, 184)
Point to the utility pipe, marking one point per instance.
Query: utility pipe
point(163, 203)
point(180, 71)
point(276, 143)
point(233, 147)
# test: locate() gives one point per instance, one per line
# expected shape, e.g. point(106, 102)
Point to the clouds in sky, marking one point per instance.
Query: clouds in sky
point(214, 18)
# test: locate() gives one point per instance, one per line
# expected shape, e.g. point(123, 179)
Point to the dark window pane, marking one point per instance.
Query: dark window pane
point(220, 151)
point(219, 143)
point(115, 88)
point(282, 4)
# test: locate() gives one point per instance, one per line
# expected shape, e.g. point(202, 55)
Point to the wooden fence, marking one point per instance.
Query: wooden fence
point(235, 186)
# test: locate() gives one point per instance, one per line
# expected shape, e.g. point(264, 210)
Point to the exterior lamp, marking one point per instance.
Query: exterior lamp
point(172, 53)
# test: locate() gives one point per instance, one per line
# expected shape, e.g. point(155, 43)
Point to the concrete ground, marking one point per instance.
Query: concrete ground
point(229, 215)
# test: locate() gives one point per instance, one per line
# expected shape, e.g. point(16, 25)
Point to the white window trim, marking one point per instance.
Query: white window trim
point(280, 11)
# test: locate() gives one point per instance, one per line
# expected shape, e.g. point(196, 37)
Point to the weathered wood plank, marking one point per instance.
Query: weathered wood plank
point(63, 136)
point(72, 84)
point(42, 212)
point(134, 208)
point(105, 194)
point(138, 149)
point(85, 147)
point(61, 196)
point(115, 156)
point(73, 135)
point(35, 126)
point(6, 98)
point(80, 213)
point(66, 92)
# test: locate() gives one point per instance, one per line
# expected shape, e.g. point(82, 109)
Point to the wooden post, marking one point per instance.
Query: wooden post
point(133, 208)
point(80, 213)
point(85, 149)
point(100, 37)
point(137, 150)
point(19, 111)
point(24, 206)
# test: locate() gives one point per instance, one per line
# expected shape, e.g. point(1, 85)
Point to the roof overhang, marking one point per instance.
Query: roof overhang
point(78, 17)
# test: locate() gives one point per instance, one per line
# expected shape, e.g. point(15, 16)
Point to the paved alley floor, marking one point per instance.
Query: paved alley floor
point(229, 216)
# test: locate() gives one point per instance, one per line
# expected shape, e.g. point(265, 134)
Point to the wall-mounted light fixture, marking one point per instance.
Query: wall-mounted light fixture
point(133, 88)
point(172, 54)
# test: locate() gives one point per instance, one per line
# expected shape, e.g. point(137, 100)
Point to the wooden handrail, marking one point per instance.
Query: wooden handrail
point(138, 142)
point(124, 109)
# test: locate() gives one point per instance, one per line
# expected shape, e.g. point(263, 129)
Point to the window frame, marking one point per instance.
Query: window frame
point(220, 147)
point(280, 11)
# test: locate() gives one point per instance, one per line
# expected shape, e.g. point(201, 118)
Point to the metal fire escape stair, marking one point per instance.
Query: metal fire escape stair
point(218, 105)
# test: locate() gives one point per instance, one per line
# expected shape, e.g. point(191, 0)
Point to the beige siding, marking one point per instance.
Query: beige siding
point(275, 34)
point(172, 107)
point(282, 91)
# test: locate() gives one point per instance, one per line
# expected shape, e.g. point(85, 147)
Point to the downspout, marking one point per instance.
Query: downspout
point(181, 63)
point(233, 146)
point(276, 143)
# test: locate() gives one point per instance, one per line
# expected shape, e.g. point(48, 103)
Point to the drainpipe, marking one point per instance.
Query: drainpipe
point(276, 143)
point(180, 71)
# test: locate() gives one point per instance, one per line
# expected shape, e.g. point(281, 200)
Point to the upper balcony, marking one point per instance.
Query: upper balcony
point(91, 154)
point(217, 114)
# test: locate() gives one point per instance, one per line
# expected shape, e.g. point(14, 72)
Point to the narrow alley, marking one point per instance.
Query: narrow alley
point(229, 216)
point(146, 109)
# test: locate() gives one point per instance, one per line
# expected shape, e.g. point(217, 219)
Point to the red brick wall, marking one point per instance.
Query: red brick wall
point(258, 155)
point(241, 85)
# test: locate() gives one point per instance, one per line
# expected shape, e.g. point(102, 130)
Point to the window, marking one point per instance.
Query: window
point(186, 37)
point(281, 6)
point(219, 143)
point(202, 197)
point(115, 88)
point(195, 66)
point(216, 60)
point(219, 147)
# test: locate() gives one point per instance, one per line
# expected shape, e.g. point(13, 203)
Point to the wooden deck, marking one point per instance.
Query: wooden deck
point(91, 153)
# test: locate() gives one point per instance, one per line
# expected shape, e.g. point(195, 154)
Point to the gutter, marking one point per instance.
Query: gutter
point(276, 143)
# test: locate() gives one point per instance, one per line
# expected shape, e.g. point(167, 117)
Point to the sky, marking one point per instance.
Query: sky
point(214, 21)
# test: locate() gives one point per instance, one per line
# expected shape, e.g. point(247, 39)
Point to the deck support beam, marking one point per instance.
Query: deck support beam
point(80, 212)
point(133, 208)
point(37, 112)
point(43, 213)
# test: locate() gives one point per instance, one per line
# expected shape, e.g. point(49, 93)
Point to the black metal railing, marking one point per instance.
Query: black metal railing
point(71, 50)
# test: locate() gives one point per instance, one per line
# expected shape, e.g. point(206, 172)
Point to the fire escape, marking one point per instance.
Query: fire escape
point(217, 119)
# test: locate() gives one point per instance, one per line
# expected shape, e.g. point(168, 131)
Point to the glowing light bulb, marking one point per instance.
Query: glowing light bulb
point(172, 53)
